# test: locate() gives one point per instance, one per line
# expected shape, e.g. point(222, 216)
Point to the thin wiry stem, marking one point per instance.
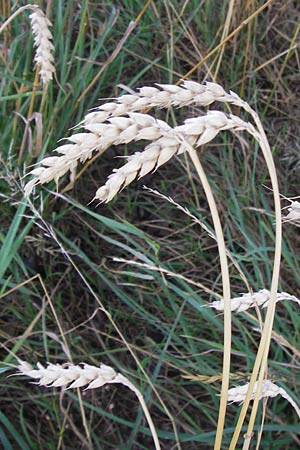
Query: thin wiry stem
point(15, 14)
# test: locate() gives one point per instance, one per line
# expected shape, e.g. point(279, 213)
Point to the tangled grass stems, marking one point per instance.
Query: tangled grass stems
point(72, 376)
point(49, 231)
point(196, 220)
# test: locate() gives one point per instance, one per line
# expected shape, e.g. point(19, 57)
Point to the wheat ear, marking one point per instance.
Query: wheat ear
point(165, 96)
point(96, 139)
point(246, 301)
point(268, 389)
point(194, 132)
point(44, 47)
point(166, 142)
point(293, 215)
point(71, 376)
point(117, 130)
point(42, 40)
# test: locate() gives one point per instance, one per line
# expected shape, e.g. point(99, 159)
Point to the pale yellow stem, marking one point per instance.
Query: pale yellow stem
point(260, 364)
point(226, 293)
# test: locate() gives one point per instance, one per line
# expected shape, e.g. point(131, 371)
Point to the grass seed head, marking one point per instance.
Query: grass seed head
point(268, 389)
point(246, 301)
point(70, 375)
point(119, 123)
point(293, 215)
point(44, 47)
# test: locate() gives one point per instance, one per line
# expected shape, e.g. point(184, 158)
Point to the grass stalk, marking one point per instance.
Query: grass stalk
point(260, 364)
point(226, 294)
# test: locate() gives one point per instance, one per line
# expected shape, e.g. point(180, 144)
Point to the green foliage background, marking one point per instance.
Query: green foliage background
point(163, 319)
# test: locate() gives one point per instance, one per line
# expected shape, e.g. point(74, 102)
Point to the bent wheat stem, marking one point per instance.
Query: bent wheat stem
point(226, 293)
point(260, 364)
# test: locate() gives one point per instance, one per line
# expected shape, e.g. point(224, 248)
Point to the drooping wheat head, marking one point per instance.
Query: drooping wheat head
point(117, 123)
point(70, 376)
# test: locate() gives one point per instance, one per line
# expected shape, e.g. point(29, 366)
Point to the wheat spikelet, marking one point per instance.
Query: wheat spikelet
point(42, 41)
point(293, 215)
point(268, 389)
point(246, 301)
point(69, 376)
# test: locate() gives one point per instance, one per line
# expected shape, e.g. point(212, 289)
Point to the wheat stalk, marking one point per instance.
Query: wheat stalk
point(268, 389)
point(69, 376)
point(171, 141)
point(246, 301)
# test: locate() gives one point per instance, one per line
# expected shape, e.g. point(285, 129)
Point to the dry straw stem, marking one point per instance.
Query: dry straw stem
point(260, 364)
point(226, 291)
point(268, 389)
point(210, 379)
point(69, 376)
point(42, 40)
point(246, 301)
